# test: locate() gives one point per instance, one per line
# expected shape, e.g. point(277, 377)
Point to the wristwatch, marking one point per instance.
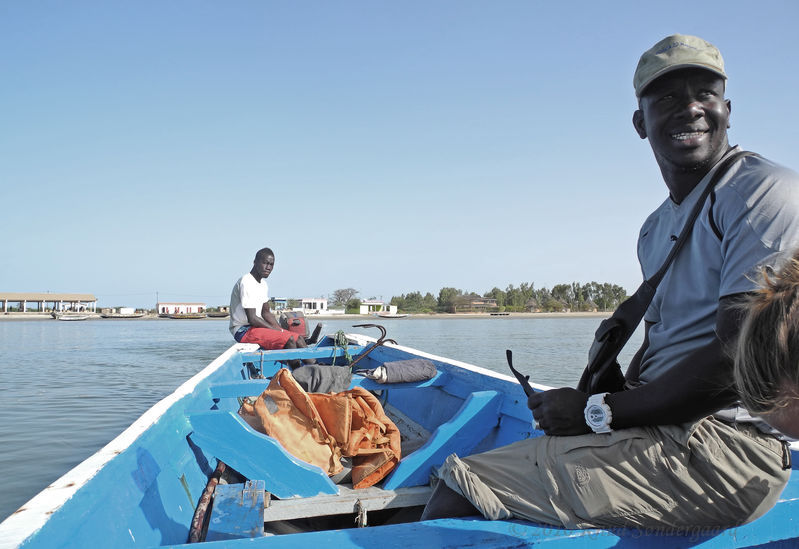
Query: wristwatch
point(597, 413)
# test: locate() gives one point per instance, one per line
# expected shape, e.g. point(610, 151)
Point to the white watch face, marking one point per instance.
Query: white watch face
point(596, 415)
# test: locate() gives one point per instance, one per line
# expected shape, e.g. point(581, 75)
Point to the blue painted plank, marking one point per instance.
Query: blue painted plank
point(227, 437)
point(238, 511)
point(233, 389)
point(476, 417)
point(292, 354)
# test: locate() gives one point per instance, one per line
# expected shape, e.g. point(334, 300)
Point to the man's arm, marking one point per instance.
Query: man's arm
point(634, 369)
point(697, 386)
point(266, 320)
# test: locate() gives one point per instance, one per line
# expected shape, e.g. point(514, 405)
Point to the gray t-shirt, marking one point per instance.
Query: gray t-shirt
point(756, 211)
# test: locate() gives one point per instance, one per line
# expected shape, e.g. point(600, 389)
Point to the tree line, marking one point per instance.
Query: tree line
point(593, 296)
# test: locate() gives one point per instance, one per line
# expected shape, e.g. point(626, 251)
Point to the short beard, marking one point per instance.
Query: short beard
point(704, 165)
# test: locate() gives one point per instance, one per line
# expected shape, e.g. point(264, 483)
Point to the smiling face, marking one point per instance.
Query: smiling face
point(685, 117)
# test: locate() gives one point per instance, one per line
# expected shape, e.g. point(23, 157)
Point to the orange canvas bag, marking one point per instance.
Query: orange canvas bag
point(374, 438)
point(320, 428)
point(285, 412)
point(363, 432)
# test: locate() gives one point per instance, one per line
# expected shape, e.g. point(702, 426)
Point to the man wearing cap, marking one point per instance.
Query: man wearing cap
point(670, 450)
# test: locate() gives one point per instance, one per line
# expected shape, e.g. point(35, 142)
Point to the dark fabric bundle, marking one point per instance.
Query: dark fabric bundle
point(321, 378)
point(405, 371)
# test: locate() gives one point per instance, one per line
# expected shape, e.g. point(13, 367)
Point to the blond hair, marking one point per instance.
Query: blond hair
point(766, 368)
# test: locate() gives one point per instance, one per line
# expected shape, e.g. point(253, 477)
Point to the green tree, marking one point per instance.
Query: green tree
point(514, 298)
point(497, 294)
point(606, 296)
point(408, 303)
point(563, 294)
point(618, 294)
point(446, 299)
point(342, 296)
point(353, 306)
point(429, 302)
point(399, 302)
point(413, 302)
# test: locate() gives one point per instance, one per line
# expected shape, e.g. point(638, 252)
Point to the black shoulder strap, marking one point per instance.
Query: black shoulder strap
point(655, 279)
point(614, 332)
point(713, 226)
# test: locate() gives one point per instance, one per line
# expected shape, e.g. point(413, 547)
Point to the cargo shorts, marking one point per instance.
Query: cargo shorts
point(705, 474)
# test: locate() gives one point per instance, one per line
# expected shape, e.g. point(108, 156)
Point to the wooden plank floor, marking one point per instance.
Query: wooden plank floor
point(347, 501)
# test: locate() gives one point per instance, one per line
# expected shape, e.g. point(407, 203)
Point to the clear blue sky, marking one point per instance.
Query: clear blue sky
point(391, 147)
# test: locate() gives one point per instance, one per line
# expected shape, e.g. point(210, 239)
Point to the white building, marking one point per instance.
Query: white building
point(176, 308)
point(39, 302)
point(314, 306)
point(369, 306)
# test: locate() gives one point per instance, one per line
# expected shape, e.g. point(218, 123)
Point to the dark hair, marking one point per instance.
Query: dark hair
point(767, 355)
point(264, 252)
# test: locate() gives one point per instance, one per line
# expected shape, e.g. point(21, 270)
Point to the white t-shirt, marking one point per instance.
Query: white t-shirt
point(247, 294)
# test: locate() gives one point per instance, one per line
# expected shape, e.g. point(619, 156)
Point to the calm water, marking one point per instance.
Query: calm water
point(70, 387)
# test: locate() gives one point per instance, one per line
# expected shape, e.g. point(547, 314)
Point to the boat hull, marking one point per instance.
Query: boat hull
point(141, 490)
point(71, 317)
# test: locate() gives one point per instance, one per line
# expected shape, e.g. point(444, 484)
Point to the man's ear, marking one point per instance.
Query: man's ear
point(638, 123)
point(729, 111)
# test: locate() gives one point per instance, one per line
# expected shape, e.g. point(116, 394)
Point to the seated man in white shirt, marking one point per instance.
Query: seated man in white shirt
point(251, 320)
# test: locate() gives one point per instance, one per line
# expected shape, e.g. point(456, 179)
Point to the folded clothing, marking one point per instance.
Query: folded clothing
point(402, 371)
point(321, 378)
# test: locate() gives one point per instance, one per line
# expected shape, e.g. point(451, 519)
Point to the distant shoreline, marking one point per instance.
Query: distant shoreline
point(372, 318)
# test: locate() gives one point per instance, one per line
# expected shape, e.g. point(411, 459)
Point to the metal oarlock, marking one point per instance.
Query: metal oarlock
point(380, 341)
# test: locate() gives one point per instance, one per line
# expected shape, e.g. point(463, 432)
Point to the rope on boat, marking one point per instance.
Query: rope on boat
point(199, 522)
point(340, 341)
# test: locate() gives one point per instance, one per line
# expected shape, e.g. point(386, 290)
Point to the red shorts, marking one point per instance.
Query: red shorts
point(268, 338)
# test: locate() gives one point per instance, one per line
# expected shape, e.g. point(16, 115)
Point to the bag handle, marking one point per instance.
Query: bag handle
point(614, 332)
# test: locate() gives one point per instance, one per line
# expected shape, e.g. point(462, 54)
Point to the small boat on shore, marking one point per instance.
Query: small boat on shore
point(122, 315)
point(187, 316)
point(70, 316)
point(192, 468)
point(391, 315)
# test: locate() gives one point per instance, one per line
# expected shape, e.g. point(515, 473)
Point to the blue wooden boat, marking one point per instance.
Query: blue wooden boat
point(144, 487)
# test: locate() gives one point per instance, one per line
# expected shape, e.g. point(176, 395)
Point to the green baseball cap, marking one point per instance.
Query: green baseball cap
point(677, 51)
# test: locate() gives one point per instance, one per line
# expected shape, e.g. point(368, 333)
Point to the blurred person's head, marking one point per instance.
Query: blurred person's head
point(767, 354)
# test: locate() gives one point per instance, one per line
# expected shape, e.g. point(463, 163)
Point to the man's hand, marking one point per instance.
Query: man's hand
point(560, 411)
